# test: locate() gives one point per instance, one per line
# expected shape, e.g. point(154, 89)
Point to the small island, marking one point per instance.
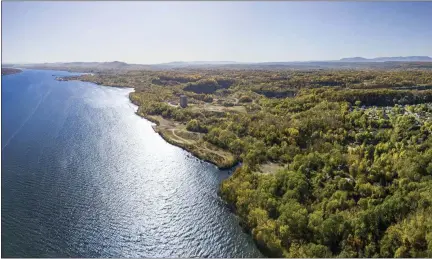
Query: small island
point(10, 71)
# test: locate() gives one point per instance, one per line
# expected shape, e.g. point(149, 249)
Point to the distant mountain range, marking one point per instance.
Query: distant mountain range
point(344, 63)
point(389, 59)
point(181, 64)
point(200, 62)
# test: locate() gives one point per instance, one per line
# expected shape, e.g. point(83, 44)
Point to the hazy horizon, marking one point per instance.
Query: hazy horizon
point(180, 61)
point(244, 32)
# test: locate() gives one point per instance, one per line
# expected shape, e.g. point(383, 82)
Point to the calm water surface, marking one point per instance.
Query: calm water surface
point(83, 176)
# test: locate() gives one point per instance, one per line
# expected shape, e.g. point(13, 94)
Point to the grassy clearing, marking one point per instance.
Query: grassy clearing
point(270, 168)
point(176, 134)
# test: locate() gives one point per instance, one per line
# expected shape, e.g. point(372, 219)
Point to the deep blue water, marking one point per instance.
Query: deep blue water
point(83, 176)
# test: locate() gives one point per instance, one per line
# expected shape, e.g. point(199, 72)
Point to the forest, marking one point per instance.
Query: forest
point(334, 163)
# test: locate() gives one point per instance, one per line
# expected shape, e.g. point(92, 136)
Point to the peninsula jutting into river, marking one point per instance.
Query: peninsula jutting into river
point(328, 156)
point(10, 71)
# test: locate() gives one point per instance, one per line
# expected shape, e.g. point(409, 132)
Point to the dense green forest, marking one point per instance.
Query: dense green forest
point(352, 152)
point(357, 182)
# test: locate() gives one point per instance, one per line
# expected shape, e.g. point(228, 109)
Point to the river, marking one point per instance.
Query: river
point(83, 176)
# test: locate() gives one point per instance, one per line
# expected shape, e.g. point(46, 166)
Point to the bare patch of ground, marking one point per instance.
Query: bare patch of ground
point(270, 168)
point(219, 108)
point(176, 134)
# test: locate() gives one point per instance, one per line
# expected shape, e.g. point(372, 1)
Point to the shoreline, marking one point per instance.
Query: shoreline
point(10, 71)
point(172, 142)
point(221, 166)
point(77, 78)
point(206, 157)
point(188, 148)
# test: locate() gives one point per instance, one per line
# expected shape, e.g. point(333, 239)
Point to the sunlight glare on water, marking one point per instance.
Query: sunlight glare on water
point(84, 176)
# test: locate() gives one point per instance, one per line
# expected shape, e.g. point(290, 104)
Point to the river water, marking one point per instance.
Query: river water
point(83, 176)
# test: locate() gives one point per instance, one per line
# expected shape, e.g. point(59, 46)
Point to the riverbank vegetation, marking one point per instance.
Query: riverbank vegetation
point(334, 163)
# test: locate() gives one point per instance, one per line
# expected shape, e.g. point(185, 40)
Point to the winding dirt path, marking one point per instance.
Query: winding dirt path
point(180, 138)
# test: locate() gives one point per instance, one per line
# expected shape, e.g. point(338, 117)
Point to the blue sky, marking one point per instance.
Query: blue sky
point(157, 32)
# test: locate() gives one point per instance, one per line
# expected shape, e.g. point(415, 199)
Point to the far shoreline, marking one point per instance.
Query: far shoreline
point(10, 71)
